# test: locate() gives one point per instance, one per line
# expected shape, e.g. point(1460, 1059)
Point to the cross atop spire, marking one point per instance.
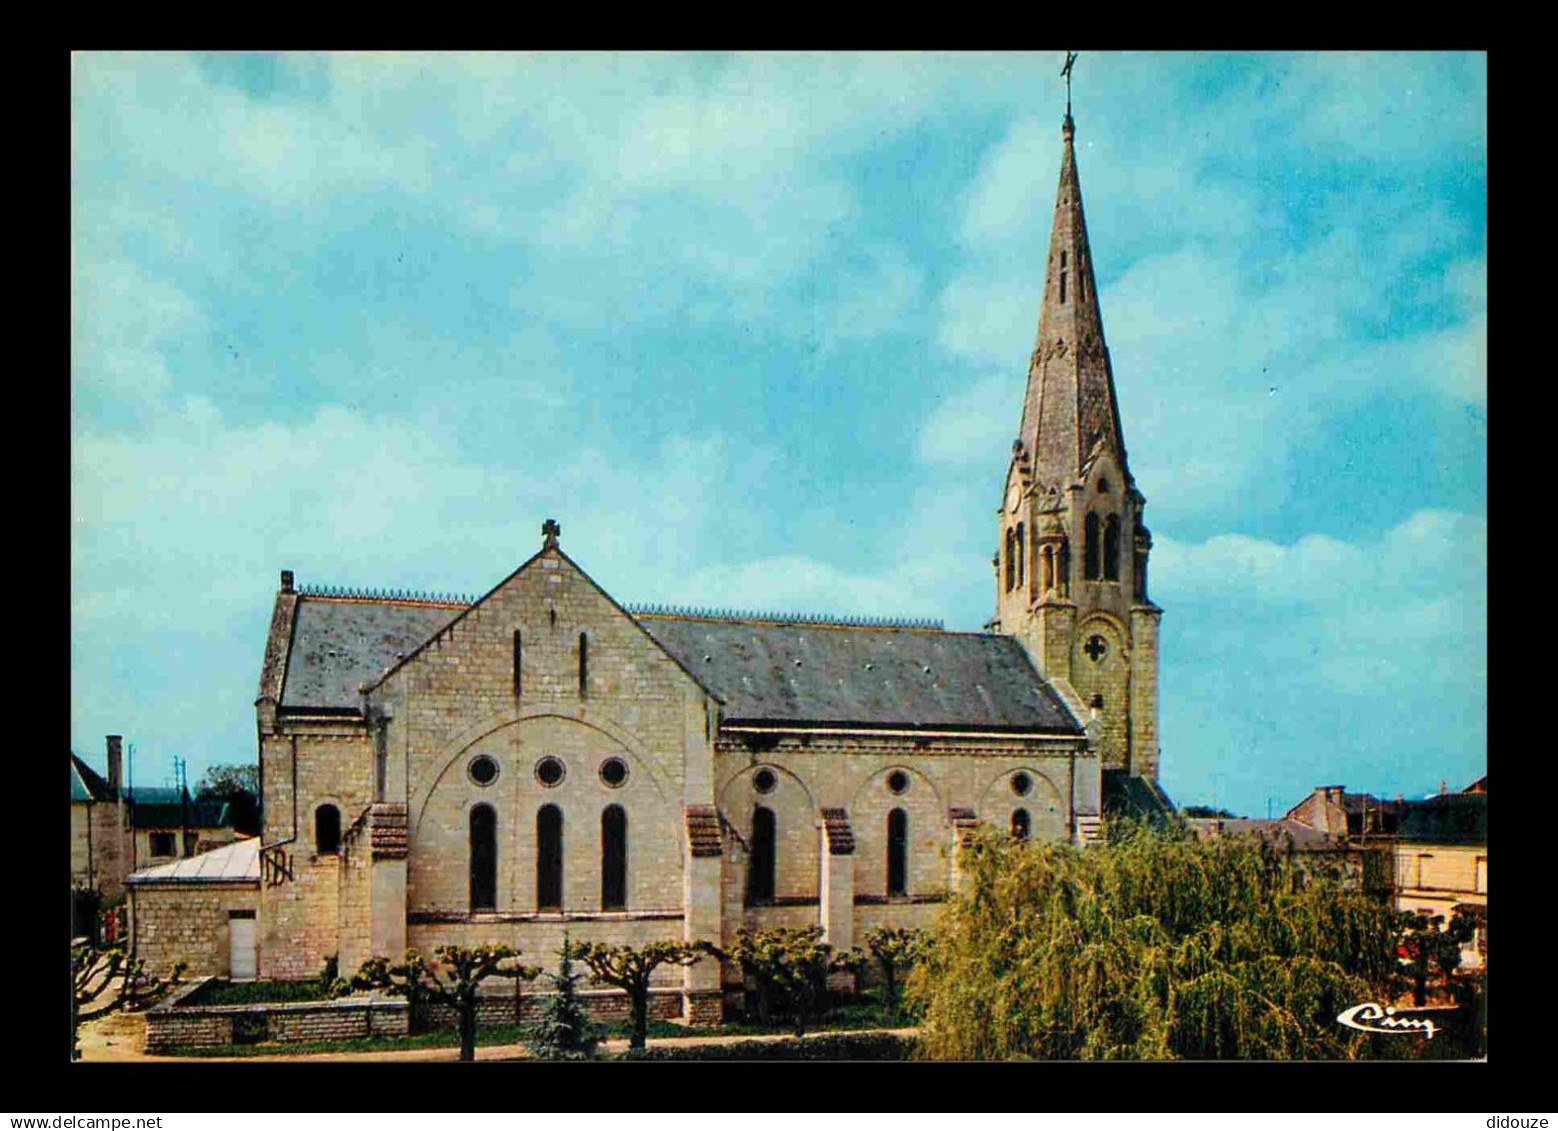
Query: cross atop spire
point(1071, 58)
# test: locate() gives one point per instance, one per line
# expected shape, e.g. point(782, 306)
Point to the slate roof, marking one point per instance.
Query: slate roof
point(865, 676)
point(173, 815)
point(86, 784)
point(236, 862)
point(847, 674)
point(1453, 818)
point(338, 645)
point(1364, 803)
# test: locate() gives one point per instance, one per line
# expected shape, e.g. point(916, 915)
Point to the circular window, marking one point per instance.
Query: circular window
point(549, 771)
point(897, 781)
point(1021, 784)
point(614, 771)
point(483, 770)
point(764, 781)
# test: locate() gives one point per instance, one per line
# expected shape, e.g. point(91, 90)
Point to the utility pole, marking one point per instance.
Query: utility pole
point(181, 770)
point(130, 803)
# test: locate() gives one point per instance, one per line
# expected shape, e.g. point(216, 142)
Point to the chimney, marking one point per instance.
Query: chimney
point(115, 762)
point(286, 581)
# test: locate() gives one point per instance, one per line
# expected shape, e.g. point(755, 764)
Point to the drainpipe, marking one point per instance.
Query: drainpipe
point(1071, 791)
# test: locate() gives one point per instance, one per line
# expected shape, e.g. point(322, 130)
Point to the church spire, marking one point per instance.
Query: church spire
point(1071, 563)
point(1070, 411)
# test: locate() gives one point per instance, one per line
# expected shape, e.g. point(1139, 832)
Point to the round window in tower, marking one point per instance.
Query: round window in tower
point(764, 781)
point(483, 770)
point(614, 771)
point(550, 771)
point(1021, 784)
point(898, 781)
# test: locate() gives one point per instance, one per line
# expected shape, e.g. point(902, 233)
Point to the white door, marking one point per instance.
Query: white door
point(240, 928)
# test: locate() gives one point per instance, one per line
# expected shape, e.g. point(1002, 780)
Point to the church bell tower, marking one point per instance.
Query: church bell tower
point(1071, 564)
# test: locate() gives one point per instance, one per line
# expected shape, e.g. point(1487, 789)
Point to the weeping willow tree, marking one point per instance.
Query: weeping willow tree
point(1154, 946)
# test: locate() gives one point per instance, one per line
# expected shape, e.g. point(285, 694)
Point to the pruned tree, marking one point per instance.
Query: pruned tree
point(94, 992)
point(629, 968)
point(564, 1030)
point(1154, 945)
point(896, 949)
point(788, 968)
point(453, 979)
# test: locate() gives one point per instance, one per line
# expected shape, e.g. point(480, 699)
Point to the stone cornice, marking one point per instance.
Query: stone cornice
point(992, 745)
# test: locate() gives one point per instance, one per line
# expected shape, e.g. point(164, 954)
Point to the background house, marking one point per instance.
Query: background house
point(1441, 862)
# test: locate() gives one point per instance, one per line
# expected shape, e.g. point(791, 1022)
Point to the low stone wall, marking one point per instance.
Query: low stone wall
point(605, 1006)
point(172, 1025)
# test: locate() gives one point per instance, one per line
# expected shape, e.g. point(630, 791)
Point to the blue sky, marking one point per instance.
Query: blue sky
point(754, 329)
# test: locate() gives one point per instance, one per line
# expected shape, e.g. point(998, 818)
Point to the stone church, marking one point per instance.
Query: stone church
point(543, 760)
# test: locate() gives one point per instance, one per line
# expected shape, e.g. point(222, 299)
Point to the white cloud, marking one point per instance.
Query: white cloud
point(121, 320)
point(1363, 617)
point(975, 426)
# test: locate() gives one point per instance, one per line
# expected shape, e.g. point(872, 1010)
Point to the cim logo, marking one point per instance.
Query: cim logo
point(1371, 1017)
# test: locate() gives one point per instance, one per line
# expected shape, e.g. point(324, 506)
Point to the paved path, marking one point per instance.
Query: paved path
point(122, 1037)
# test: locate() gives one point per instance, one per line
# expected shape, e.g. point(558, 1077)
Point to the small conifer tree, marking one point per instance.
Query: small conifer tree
point(564, 1031)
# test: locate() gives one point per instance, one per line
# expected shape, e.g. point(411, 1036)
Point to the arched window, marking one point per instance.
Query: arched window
point(1011, 562)
point(1020, 543)
point(613, 858)
point(760, 866)
point(484, 858)
point(1063, 568)
point(327, 830)
point(1047, 576)
point(1139, 576)
point(584, 664)
point(519, 655)
point(897, 852)
point(1090, 547)
point(549, 858)
point(1022, 824)
point(1112, 548)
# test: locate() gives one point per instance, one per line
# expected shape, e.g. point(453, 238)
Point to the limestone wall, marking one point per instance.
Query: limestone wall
point(438, 875)
point(456, 701)
point(538, 938)
point(300, 923)
point(97, 847)
point(854, 774)
point(501, 1006)
point(187, 923)
point(173, 1024)
point(354, 906)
